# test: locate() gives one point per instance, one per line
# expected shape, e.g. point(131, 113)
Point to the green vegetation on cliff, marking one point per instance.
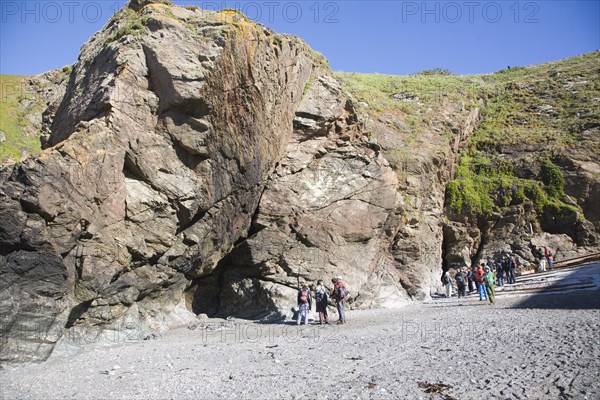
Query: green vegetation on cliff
point(486, 183)
point(548, 103)
point(14, 143)
point(537, 112)
point(540, 110)
point(408, 93)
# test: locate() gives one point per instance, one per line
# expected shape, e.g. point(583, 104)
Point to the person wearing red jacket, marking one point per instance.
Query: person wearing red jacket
point(339, 294)
point(480, 284)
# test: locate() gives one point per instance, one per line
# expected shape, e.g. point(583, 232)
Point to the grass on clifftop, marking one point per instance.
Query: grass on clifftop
point(407, 93)
point(14, 143)
point(548, 103)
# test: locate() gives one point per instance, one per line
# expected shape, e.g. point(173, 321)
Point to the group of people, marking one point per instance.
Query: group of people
point(483, 278)
point(339, 294)
point(481, 275)
point(545, 258)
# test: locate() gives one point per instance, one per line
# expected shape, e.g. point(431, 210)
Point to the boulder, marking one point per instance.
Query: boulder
point(156, 157)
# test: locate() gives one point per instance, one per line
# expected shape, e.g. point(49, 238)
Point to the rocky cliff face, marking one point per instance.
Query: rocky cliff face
point(489, 165)
point(327, 210)
point(197, 162)
point(157, 156)
point(200, 163)
point(529, 178)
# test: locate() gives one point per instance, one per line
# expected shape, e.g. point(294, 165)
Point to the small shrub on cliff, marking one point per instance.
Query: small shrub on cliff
point(435, 71)
point(318, 59)
point(470, 196)
point(470, 192)
point(132, 28)
point(534, 192)
point(130, 22)
point(454, 196)
point(553, 179)
point(518, 194)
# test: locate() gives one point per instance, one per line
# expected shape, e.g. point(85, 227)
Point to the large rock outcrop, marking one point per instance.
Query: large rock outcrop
point(425, 165)
point(197, 162)
point(157, 155)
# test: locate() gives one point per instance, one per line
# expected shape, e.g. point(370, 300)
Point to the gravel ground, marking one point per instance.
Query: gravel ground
point(543, 346)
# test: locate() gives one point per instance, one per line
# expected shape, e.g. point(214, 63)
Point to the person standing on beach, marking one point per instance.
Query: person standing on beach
point(549, 258)
point(500, 273)
point(304, 304)
point(461, 284)
point(339, 294)
point(480, 284)
point(447, 282)
point(506, 268)
point(489, 279)
point(542, 264)
point(512, 266)
point(471, 279)
point(321, 299)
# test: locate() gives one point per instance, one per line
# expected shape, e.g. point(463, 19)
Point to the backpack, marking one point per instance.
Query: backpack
point(304, 296)
point(460, 279)
point(445, 279)
point(320, 295)
point(341, 292)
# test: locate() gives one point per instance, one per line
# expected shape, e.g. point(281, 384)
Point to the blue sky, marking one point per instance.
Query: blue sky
point(393, 37)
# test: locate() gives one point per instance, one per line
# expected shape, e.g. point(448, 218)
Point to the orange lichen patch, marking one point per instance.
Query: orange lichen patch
point(231, 15)
point(236, 17)
point(158, 7)
point(243, 30)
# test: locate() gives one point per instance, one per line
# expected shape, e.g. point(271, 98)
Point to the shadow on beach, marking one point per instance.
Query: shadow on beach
point(583, 300)
point(576, 290)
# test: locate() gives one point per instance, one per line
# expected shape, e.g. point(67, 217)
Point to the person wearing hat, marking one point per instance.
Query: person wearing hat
point(489, 280)
point(339, 294)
